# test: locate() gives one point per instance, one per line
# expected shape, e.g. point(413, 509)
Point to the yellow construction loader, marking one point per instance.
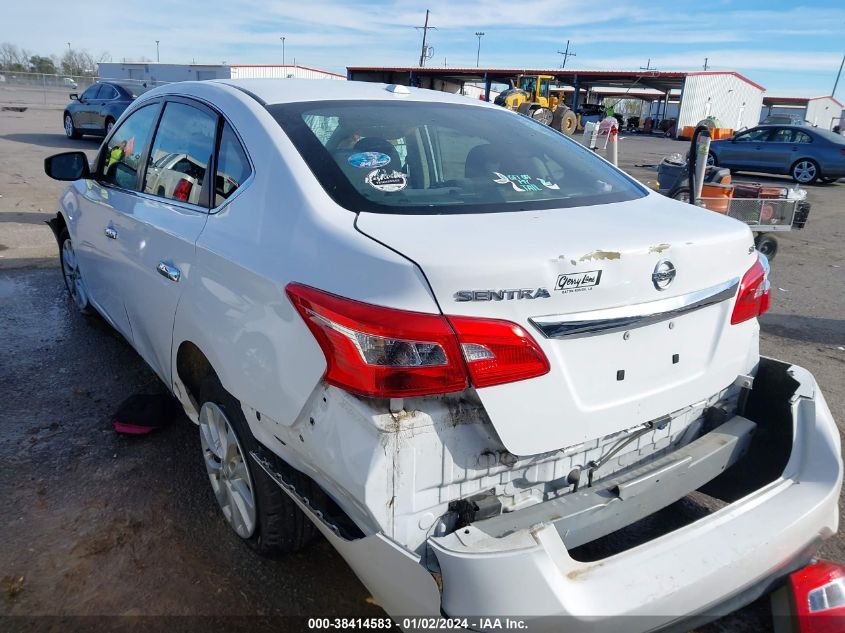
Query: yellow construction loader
point(530, 95)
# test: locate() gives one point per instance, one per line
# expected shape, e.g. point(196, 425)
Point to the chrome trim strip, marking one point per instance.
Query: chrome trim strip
point(632, 316)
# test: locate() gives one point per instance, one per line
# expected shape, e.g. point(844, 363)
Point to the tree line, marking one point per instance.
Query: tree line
point(76, 62)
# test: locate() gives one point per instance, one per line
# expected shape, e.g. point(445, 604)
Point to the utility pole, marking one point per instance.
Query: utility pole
point(566, 54)
point(836, 83)
point(158, 59)
point(425, 28)
point(705, 62)
point(283, 50)
point(479, 35)
point(68, 47)
point(648, 65)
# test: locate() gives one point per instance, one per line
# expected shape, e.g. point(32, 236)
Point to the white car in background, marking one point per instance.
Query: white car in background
point(175, 176)
point(473, 355)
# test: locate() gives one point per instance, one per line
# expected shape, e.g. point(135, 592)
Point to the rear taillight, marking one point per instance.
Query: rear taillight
point(387, 353)
point(818, 591)
point(497, 352)
point(182, 190)
point(754, 292)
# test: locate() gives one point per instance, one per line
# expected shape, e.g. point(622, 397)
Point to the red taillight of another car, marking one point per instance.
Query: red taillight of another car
point(818, 592)
point(754, 294)
point(182, 190)
point(387, 353)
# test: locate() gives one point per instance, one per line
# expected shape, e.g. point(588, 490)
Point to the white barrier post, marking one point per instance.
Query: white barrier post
point(613, 141)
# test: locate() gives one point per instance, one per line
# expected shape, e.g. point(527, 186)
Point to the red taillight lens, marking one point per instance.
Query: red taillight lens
point(819, 594)
point(182, 190)
point(497, 352)
point(388, 353)
point(754, 293)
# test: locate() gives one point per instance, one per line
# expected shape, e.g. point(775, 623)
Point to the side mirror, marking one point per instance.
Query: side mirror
point(67, 166)
point(74, 96)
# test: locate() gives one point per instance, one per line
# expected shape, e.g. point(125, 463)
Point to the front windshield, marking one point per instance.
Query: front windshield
point(416, 157)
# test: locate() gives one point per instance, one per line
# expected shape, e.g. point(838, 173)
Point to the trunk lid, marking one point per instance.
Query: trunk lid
point(585, 276)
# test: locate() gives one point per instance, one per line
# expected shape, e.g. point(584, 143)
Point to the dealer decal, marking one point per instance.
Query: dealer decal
point(387, 180)
point(368, 160)
point(578, 282)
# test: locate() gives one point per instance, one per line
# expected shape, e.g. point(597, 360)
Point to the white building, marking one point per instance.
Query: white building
point(156, 73)
point(280, 71)
point(733, 99)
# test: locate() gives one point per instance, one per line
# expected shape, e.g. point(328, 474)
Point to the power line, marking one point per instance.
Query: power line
point(566, 54)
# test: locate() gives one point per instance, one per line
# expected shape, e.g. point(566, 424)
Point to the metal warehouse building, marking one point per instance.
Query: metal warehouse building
point(823, 112)
point(729, 96)
point(156, 73)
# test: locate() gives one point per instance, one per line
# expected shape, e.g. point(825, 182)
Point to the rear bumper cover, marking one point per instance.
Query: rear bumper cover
point(722, 559)
point(689, 571)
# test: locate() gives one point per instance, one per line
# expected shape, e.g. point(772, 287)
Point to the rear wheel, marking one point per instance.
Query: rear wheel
point(254, 506)
point(805, 171)
point(564, 120)
point(711, 160)
point(766, 244)
point(70, 128)
point(109, 125)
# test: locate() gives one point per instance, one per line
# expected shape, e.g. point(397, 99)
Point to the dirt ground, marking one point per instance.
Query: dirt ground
point(101, 524)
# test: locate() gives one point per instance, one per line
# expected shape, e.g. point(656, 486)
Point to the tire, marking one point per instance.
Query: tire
point(70, 128)
point(711, 160)
point(767, 244)
point(109, 125)
point(273, 525)
point(804, 171)
point(565, 120)
point(681, 193)
point(71, 274)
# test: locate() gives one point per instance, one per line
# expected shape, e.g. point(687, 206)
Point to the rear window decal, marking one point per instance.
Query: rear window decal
point(368, 160)
point(386, 180)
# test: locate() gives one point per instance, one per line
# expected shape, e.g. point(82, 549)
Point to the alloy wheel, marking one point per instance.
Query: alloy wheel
point(68, 125)
point(225, 462)
point(804, 171)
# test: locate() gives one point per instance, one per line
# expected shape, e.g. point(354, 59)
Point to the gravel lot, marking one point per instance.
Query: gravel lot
point(100, 524)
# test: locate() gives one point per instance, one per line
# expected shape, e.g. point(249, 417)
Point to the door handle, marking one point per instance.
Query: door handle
point(110, 233)
point(171, 272)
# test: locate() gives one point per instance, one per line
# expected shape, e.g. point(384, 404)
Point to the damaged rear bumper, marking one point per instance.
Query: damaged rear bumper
point(520, 564)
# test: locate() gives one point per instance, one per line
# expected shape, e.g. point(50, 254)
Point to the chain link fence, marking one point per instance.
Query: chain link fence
point(39, 89)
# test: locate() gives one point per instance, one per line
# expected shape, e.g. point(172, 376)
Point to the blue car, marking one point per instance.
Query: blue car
point(806, 153)
point(95, 110)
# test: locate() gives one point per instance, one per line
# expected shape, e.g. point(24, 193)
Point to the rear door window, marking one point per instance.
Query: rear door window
point(187, 134)
point(120, 160)
point(801, 137)
point(232, 166)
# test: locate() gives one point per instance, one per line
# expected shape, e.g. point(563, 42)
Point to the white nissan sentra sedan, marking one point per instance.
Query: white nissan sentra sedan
point(473, 355)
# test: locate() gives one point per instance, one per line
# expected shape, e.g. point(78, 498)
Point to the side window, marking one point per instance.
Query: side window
point(121, 159)
point(232, 166)
point(783, 135)
point(754, 136)
point(107, 92)
point(187, 134)
point(90, 93)
point(801, 137)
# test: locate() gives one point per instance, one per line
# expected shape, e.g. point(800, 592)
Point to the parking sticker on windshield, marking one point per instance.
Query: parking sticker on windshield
point(386, 180)
point(368, 160)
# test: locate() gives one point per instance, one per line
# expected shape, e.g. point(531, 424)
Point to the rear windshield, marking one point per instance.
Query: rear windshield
point(412, 157)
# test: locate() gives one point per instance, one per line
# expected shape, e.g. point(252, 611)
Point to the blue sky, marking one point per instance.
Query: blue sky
point(789, 47)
